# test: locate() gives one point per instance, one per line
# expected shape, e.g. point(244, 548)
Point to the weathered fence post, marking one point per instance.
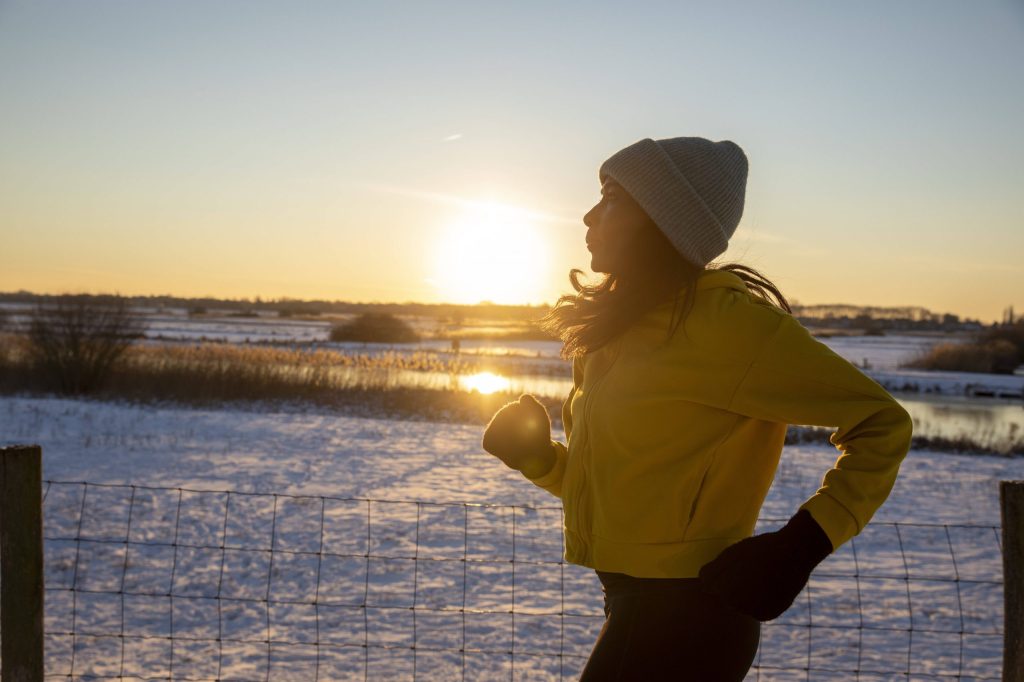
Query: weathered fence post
point(1011, 498)
point(21, 563)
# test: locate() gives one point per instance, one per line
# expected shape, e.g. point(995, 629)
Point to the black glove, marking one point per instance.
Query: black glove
point(762, 575)
point(519, 434)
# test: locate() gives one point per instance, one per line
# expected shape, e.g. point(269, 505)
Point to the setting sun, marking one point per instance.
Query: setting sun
point(491, 253)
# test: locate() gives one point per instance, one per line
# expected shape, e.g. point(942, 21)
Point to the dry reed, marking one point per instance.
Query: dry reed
point(381, 384)
point(362, 383)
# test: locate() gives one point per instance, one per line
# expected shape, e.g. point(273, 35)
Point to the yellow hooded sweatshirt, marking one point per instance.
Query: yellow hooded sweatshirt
point(672, 446)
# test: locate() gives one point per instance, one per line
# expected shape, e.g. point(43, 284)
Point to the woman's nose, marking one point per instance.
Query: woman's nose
point(588, 217)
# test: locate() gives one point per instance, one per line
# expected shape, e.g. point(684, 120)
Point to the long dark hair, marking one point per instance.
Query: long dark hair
point(653, 273)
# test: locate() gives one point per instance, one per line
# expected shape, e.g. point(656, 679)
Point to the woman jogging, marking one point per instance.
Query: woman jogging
point(685, 377)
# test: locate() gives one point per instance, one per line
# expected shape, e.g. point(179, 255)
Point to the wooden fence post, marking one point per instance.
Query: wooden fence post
point(21, 563)
point(1011, 499)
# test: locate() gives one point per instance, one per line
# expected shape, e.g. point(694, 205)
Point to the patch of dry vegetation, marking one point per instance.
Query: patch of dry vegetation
point(997, 350)
point(212, 373)
point(375, 328)
point(359, 384)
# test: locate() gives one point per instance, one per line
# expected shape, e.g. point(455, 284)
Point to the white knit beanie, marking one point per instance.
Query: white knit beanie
point(691, 188)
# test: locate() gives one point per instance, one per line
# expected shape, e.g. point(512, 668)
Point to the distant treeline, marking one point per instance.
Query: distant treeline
point(878, 319)
point(291, 306)
point(868, 324)
point(870, 319)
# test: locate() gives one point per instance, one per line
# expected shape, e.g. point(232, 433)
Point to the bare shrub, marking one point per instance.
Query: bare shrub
point(1011, 333)
point(998, 356)
point(996, 350)
point(375, 328)
point(15, 369)
point(75, 341)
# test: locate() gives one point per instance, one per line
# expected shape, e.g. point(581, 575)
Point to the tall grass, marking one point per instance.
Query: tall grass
point(214, 373)
point(362, 384)
point(986, 357)
point(220, 371)
point(997, 350)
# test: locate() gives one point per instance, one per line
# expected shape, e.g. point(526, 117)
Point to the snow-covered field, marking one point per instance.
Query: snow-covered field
point(448, 581)
point(314, 452)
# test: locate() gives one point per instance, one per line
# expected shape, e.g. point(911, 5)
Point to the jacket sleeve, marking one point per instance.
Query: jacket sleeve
point(552, 481)
point(796, 379)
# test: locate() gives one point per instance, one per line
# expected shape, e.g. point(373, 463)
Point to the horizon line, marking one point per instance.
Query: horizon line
point(260, 300)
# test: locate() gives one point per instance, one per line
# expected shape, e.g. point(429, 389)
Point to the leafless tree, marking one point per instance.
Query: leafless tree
point(77, 340)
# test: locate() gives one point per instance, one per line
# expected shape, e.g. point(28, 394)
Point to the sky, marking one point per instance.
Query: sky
point(447, 151)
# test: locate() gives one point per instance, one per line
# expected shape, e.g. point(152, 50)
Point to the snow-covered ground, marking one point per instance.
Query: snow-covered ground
point(456, 586)
point(313, 452)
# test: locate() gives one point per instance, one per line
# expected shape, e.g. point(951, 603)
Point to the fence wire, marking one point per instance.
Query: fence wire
point(177, 584)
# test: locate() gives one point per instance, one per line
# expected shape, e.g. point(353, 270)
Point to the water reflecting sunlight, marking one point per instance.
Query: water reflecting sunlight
point(484, 382)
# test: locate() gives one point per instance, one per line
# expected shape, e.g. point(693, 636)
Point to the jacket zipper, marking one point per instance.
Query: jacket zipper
point(582, 510)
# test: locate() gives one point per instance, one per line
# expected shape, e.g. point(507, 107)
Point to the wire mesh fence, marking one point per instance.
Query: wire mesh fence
point(170, 583)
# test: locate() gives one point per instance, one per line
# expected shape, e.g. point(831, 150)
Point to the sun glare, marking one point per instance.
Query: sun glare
point(484, 382)
point(491, 253)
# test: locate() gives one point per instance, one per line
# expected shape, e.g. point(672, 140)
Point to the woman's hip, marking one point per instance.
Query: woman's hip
point(669, 629)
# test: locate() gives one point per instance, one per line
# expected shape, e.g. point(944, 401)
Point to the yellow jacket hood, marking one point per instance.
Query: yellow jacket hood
point(672, 445)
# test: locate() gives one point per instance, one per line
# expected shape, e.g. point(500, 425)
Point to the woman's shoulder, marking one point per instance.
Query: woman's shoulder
point(722, 297)
point(728, 320)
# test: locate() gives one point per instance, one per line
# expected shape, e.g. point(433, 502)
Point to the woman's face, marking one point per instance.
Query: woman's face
point(614, 224)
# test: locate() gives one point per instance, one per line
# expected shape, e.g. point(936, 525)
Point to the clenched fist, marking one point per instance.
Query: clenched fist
point(762, 575)
point(519, 434)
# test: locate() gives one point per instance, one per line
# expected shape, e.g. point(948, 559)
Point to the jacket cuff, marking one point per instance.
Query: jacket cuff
point(813, 542)
point(837, 522)
point(553, 478)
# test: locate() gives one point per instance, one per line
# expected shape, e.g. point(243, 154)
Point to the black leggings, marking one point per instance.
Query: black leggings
point(669, 629)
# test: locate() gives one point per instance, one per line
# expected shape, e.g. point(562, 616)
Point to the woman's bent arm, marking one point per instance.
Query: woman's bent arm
point(796, 379)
